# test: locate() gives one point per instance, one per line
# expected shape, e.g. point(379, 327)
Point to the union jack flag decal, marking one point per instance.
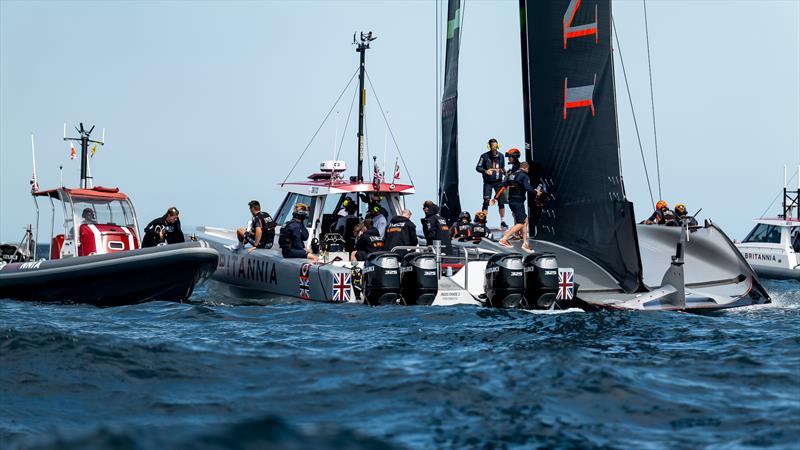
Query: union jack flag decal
point(341, 287)
point(566, 284)
point(304, 282)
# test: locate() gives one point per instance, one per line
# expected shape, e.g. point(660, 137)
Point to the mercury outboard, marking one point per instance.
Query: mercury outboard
point(503, 281)
point(381, 278)
point(418, 280)
point(541, 281)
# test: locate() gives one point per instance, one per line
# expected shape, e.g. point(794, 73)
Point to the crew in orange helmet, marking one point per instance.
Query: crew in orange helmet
point(661, 216)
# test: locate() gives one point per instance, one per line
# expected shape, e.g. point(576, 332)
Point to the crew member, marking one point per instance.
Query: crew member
point(519, 185)
point(294, 235)
point(479, 228)
point(350, 208)
point(513, 155)
point(462, 230)
point(681, 214)
point(163, 230)
point(378, 219)
point(260, 232)
point(434, 227)
point(491, 166)
point(661, 216)
point(367, 241)
point(88, 216)
point(401, 231)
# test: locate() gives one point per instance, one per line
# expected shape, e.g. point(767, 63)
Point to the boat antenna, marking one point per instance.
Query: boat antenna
point(34, 181)
point(84, 140)
point(61, 174)
point(362, 45)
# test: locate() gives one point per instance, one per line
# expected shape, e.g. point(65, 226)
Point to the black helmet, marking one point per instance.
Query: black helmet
point(300, 211)
point(465, 216)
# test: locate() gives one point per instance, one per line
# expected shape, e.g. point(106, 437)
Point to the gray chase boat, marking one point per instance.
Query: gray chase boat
point(98, 258)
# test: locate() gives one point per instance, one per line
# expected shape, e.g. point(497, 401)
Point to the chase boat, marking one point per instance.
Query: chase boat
point(98, 258)
point(772, 247)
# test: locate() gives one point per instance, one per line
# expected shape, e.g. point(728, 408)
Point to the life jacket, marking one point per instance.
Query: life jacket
point(285, 237)
point(463, 231)
point(516, 190)
point(669, 218)
point(479, 231)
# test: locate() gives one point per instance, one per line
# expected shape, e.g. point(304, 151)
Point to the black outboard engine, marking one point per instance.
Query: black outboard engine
point(381, 278)
point(418, 280)
point(541, 281)
point(503, 281)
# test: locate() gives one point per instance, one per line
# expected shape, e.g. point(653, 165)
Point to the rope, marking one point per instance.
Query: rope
point(776, 197)
point(320, 127)
point(633, 112)
point(391, 133)
point(438, 102)
point(346, 122)
point(652, 103)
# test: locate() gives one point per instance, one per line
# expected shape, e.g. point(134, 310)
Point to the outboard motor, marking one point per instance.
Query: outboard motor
point(541, 281)
point(418, 280)
point(503, 281)
point(381, 278)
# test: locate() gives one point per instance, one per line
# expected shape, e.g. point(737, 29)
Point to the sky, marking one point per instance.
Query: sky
point(207, 105)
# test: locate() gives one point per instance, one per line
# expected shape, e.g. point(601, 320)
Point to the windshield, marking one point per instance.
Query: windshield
point(102, 211)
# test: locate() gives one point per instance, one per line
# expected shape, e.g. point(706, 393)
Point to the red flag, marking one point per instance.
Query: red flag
point(72, 153)
point(396, 170)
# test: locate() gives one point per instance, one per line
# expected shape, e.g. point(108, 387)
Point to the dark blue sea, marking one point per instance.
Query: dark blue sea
point(205, 375)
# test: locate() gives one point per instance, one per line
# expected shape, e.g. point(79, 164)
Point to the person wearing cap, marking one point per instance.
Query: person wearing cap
point(260, 231)
point(379, 221)
point(294, 234)
point(163, 230)
point(491, 166)
point(513, 155)
point(681, 214)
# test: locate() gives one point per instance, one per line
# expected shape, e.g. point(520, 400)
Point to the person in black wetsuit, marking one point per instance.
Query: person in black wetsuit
point(400, 231)
point(479, 228)
point(435, 228)
point(462, 230)
point(681, 214)
point(260, 232)
point(491, 166)
point(294, 235)
point(661, 216)
point(368, 240)
point(164, 230)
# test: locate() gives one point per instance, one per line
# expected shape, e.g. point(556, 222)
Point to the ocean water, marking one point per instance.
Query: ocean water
point(204, 375)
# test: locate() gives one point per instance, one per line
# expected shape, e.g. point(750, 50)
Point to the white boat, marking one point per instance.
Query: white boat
point(772, 247)
point(589, 251)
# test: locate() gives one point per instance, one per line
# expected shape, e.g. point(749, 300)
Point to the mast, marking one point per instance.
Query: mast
point(84, 140)
point(362, 45)
point(526, 106)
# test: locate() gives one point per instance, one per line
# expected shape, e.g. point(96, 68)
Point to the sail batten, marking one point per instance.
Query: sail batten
point(448, 171)
point(571, 114)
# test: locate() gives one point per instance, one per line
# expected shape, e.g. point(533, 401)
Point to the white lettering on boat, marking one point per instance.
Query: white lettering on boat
point(31, 265)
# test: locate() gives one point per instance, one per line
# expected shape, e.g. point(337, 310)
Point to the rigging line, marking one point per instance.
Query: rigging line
point(320, 127)
point(633, 112)
point(776, 197)
point(391, 133)
point(346, 122)
point(652, 102)
point(438, 101)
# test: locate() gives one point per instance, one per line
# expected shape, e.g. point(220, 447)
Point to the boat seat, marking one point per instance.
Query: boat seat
point(55, 246)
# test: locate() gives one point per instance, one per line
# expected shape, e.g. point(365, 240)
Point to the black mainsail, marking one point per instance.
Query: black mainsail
point(448, 171)
point(571, 133)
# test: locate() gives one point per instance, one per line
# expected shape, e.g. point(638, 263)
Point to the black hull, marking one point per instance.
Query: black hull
point(158, 273)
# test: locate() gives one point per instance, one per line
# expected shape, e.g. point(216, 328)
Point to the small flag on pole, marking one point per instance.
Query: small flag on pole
point(377, 175)
point(396, 169)
point(72, 154)
point(34, 183)
point(94, 148)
